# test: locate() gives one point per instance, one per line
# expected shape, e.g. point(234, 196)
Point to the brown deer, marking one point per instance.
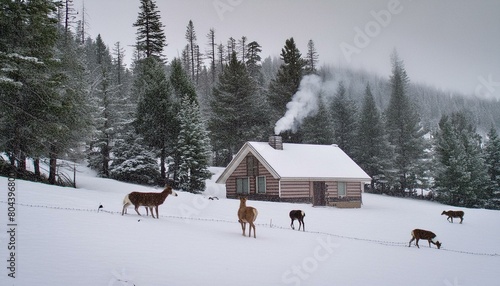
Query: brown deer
point(423, 234)
point(298, 215)
point(452, 214)
point(149, 200)
point(247, 214)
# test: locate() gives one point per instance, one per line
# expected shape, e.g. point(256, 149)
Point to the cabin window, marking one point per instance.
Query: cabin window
point(252, 166)
point(242, 186)
point(341, 188)
point(261, 184)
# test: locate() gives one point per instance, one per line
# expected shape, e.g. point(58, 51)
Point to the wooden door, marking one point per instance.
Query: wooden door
point(319, 191)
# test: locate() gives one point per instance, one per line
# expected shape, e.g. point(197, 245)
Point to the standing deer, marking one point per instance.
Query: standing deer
point(247, 214)
point(149, 200)
point(452, 214)
point(423, 234)
point(298, 215)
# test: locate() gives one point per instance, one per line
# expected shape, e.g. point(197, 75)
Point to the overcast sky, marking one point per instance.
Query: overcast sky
point(450, 44)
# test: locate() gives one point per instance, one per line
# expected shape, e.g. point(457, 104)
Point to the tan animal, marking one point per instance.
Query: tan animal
point(247, 215)
point(418, 234)
point(452, 214)
point(149, 200)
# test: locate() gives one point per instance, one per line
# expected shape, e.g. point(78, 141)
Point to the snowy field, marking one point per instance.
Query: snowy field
point(62, 239)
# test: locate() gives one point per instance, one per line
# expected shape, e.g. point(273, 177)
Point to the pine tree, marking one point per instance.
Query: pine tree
point(253, 60)
point(211, 52)
point(285, 85)
point(317, 128)
point(461, 178)
point(193, 148)
point(155, 110)
point(343, 112)
point(191, 38)
point(287, 81)
point(106, 104)
point(238, 113)
point(150, 34)
point(403, 128)
point(311, 58)
point(26, 68)
point(492, 160)
point(133, 162)
point(373, 153)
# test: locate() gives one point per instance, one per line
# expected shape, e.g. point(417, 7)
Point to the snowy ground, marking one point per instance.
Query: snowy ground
point(61, 239)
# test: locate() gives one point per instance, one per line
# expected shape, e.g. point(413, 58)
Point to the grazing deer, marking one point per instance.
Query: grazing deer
point(452, 214)
point(149, 200)
point(298, 215)
point(423, 234)
point(247, 214)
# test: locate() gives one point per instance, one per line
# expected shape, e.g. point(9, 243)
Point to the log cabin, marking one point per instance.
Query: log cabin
point(323, 175)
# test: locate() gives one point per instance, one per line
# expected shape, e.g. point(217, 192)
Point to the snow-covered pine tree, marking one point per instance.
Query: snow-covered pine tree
point(285, 85)
point(253, 62)
point(311, 58)
point(373, 153)
point(132, 162)
point(343, 112)
point(191, 39)
point(193, 148)
point(317, 128)
point(104, 91)
point(150, 34)
point(492, 160)
point(404, 129)
point(237, 114)
point(28, 37)
point(461, 178)
point(155, 108)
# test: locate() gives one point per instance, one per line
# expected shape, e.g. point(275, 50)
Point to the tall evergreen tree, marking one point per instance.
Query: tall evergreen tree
point(106, 117)
point(492, 160)
point(317, 128)
point(193, 147)
point(253, 61)
point(343, 113)
point(237, 115)
point(150, 34)
point(285, 85)
point(461, 178)
point(191, 38)
point(373, 153)
point(211, 52)
point(154, 110)
point(311, 58)
point(403, 128)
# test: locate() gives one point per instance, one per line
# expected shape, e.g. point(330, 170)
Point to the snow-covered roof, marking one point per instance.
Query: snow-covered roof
point(300, 162)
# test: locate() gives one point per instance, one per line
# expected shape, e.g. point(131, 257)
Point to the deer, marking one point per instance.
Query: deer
point(247, 215)
point(418, 234)
point(149, 200)
point(452, 214)
point(298, 215)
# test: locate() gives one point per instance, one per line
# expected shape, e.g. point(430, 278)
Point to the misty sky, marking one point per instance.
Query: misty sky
point(450, 44)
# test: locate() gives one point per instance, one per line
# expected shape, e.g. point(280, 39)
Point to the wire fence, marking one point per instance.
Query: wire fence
point(269, 225)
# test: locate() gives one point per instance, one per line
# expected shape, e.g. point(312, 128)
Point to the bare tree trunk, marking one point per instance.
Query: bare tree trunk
point(52, 164)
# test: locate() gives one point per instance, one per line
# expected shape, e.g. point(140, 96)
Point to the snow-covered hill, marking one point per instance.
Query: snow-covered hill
point(62, 239)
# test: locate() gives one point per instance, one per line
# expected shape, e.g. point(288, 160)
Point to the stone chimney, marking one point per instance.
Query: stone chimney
point(276, 142)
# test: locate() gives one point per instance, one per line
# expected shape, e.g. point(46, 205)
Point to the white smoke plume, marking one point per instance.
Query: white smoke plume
point(304, 102)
